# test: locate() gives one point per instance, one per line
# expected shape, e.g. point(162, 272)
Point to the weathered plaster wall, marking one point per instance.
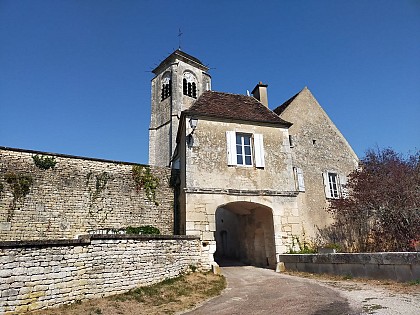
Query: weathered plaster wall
point(318, 146)
point(47, 274)
point(77, 196)
point(206, 161)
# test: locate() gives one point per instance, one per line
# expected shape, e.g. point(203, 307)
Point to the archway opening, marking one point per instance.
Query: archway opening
point(245, 235)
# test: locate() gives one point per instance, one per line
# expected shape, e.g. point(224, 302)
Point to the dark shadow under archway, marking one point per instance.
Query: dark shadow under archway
point(245, 235)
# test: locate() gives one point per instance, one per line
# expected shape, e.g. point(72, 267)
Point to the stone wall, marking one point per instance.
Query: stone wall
point(77, 196)
point(40, 274)
point(404, 266)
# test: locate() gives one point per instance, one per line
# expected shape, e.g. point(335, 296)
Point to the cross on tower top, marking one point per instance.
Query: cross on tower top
point(179, 39)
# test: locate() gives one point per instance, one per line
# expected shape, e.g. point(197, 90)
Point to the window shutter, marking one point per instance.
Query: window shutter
point(231, 147)
point(301, 183)
point(344, 192)
point(326, 185)
point(259, 150)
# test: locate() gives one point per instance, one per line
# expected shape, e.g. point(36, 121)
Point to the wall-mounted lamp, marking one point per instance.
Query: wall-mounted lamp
point(193, 124)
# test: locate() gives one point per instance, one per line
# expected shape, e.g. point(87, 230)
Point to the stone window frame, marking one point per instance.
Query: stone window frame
point(256, 146)
point(166, 90)
point(189, 84)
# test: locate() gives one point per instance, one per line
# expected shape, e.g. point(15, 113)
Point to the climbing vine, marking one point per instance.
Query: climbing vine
point(20, 185)
point(44, 162)
point(96, 189)
point(144, 179)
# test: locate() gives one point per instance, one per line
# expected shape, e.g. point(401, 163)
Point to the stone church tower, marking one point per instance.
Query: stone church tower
point(179, 80)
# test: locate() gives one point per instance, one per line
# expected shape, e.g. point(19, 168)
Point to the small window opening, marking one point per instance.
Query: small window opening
point(166, 90)
point(189, 87)
point(194, 90)
point(313, 141)
point(184, 87)
point(291, 141)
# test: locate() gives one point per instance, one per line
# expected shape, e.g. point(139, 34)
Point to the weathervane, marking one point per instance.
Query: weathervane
point(179, 39)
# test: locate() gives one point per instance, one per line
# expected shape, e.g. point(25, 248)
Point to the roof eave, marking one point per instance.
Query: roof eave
point(283, 123)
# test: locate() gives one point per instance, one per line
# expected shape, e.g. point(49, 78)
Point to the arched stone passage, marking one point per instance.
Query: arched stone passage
point(245, 232)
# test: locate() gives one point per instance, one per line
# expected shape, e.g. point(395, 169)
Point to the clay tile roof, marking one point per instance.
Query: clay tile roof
point(283, 106)
point(234, 106)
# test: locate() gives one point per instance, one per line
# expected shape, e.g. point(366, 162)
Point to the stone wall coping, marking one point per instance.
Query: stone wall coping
point(383, 258)
point(69, 156)
point(140, 237)
point(239, 192)
point(86, 240)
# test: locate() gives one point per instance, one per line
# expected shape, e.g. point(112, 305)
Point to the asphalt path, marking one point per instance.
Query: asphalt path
point(252, 290)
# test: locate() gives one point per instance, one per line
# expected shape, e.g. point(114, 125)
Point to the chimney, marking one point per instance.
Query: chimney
point(260, 93)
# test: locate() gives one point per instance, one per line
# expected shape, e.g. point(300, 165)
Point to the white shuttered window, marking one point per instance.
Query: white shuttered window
point(231, 147)
point(299, 182)
point(245, 149)
point(259, 150)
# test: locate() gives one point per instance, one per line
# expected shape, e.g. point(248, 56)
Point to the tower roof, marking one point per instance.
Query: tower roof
point(180, 55)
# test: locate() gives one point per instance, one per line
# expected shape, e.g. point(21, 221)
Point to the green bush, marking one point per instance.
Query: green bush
point(44, 162)
point(145, 229)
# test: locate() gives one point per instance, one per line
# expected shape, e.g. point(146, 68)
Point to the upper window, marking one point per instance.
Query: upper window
point(189, 85)
point(166, 86)
point(334, 185)
point(245, 149)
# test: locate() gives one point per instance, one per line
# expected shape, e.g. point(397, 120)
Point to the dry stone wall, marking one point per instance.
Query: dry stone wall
point(76, 196)
point(40, 274)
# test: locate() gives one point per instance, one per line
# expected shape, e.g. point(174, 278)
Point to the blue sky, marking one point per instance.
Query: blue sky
point(75, 75)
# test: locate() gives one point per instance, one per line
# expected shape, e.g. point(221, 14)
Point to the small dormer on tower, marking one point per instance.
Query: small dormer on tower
point(179, 80)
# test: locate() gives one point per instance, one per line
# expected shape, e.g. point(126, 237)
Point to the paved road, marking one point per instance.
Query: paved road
point(253, 290)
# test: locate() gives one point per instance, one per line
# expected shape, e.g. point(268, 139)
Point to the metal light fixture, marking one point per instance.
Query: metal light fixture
point(193, 124)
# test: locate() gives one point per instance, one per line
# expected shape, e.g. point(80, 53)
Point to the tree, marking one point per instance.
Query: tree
point(381, 212)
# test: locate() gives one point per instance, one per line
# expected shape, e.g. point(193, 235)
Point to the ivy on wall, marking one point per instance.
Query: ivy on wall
point(101, 181)
point(144, 179)
point(20, 185)
point(96, 195)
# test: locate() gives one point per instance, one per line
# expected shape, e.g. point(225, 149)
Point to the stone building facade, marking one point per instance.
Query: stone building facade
point(322, 158)
point(248, 180)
